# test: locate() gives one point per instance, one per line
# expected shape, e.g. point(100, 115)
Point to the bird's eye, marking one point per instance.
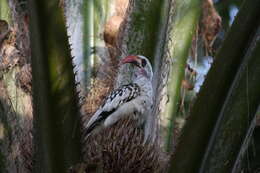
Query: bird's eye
point(144, 62)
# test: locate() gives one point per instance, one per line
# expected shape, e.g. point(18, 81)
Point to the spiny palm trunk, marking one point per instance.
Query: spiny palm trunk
point(56, 111)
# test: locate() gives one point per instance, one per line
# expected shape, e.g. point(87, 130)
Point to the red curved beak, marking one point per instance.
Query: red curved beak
point(129, 59)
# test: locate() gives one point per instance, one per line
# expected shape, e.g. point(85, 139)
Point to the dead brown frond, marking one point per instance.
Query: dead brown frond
point(113, 27)
point(210, 24)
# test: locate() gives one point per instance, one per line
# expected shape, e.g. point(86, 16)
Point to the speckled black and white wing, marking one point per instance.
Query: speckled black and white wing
point(116, 99)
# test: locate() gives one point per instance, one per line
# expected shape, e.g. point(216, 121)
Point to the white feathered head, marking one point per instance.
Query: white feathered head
point(142, 64)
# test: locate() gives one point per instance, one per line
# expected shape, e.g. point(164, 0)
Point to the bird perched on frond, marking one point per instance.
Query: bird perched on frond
point(134, 99)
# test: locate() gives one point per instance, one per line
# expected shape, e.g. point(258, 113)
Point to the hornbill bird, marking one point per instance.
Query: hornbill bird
point(134, 99)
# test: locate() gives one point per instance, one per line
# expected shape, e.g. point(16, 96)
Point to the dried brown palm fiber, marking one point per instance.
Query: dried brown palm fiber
point(94, 98)
point(4, 31)
point(15, 54)
point(111, 29)
point(114, 22)
point(20, 27)
point(210, 24)
point(100, 88)
point(16, 145)
point(26, 145)
point(24, 78)
point(120, 148)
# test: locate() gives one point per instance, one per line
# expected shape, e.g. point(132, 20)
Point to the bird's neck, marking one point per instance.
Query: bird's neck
point(144, 83)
